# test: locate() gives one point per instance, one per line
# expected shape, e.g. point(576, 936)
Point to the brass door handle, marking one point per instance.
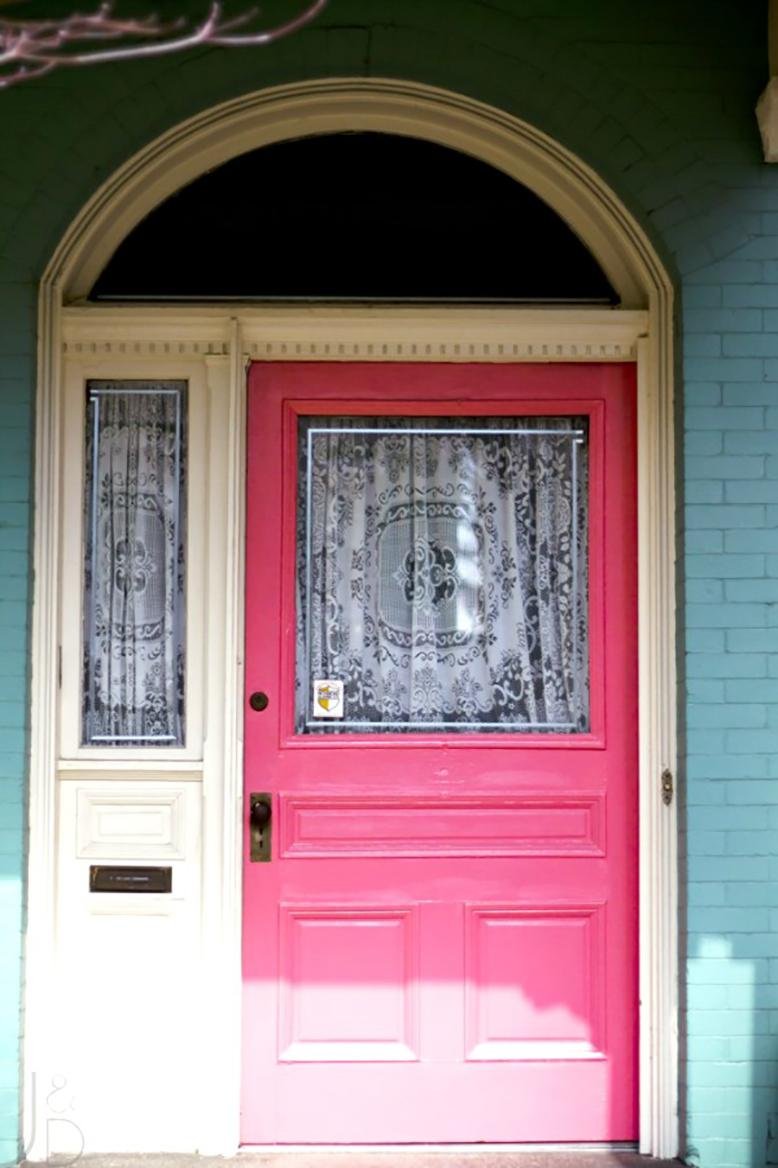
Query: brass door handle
point(260, 826)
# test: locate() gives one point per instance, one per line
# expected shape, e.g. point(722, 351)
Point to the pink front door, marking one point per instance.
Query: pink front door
point(441, 616)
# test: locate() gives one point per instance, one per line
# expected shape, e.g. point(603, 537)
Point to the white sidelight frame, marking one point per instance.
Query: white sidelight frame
point(222, 340)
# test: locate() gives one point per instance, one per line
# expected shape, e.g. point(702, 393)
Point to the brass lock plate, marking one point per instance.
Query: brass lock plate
point(260, 827)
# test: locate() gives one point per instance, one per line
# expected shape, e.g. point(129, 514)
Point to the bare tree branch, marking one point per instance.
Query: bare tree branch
point(31, 48)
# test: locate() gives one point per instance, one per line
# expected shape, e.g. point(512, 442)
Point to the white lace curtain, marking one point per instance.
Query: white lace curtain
point(442, 572)
point(133, 691)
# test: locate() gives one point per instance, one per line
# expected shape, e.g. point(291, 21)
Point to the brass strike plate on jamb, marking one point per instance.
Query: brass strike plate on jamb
point(667, 787)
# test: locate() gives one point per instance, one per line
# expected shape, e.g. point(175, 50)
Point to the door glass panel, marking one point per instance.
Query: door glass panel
point(442, 575)
point(133, 621)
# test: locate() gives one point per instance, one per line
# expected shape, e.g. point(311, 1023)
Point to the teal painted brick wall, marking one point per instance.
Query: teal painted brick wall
point(660, 103)
point(17, 341)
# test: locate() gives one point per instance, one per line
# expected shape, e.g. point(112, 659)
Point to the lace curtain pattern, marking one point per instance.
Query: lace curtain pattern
point(133, 690)
point(442, 572)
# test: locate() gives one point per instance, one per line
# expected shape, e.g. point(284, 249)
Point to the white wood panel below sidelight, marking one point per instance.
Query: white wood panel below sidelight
point(127, 967)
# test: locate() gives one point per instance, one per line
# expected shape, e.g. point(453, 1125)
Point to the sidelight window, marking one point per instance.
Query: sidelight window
point(134, 519)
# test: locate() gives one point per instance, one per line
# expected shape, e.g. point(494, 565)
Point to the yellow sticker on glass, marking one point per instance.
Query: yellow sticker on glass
point(327, 698)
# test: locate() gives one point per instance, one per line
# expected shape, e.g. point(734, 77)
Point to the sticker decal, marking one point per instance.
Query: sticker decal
point(327, 698)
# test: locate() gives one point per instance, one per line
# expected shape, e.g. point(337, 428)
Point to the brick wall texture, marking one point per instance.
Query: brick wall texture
point(659, 100)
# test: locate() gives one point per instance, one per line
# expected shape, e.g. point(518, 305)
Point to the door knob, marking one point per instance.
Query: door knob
point(259, 701)
point(260, 823)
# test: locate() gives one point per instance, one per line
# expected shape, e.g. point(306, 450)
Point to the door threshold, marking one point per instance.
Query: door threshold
point(615, 1155)
point(432, 1149)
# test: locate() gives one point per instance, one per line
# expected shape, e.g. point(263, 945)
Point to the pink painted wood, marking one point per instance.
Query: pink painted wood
point(444, 946)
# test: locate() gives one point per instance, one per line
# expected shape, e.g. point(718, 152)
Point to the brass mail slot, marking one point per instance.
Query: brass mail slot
point(110, 878)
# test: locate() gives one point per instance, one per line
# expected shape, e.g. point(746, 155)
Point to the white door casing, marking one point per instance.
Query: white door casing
point(218, 342)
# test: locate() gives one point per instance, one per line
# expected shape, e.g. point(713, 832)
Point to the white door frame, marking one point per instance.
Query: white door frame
point(641, 330)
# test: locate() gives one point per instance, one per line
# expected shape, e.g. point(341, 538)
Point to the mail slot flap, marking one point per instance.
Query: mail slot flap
point(129, 878)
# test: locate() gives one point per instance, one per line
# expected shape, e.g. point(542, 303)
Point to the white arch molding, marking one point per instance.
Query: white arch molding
point(642, 327)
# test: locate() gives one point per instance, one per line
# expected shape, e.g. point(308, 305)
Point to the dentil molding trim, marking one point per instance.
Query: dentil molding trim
point(358, 334)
